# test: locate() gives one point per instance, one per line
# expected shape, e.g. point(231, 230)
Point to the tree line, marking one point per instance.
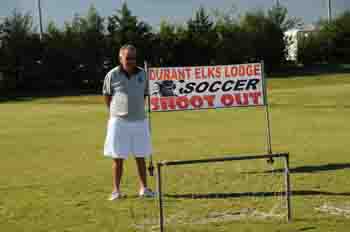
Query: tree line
point(331, 43)
point(78, 55)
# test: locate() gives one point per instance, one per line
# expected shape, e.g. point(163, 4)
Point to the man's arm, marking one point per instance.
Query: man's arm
point(107, 90)
point(146, 93)
point(108, 100)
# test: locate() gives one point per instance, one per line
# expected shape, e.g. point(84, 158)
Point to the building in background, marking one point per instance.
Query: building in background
point(294, 36)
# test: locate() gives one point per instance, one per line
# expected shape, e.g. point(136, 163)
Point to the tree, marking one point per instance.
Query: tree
point(278, 14)
point(60, 56)
point(123, 28)
point(21, 48)
point(225, 17)
point(91, 29)
point(79, 49)
point(312, 49)
point(200, 37)
point(231, 44)
point(265, 38)
point(338, 34)
point(166, 44)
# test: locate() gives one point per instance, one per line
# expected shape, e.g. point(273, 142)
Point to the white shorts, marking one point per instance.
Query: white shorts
point(125, 137)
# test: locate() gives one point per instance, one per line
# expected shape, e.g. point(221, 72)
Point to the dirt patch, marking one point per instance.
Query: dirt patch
point(213, 217)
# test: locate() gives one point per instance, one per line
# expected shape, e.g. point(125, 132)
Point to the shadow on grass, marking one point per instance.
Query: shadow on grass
point(34, 95)
point(16, 99)
point(310, 168)
point(307, 228)
point(254, 194)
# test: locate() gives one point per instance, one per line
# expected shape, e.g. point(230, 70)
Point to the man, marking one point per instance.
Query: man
point(124, 90)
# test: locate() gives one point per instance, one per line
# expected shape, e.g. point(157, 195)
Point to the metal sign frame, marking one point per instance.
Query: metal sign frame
point(269, 156)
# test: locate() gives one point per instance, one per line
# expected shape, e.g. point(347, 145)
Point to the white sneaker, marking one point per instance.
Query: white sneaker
point(114, 196)
point(147, 193)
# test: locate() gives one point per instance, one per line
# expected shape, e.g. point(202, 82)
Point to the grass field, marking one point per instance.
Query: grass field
point(53, 176)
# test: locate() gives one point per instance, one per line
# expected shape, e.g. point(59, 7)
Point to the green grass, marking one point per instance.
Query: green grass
point(54, 177)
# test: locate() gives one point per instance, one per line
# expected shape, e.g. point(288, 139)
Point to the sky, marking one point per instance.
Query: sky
point(153, 11)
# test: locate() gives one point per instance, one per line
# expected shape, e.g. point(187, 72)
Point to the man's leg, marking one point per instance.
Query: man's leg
point(117, 174)
point(141, 168)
